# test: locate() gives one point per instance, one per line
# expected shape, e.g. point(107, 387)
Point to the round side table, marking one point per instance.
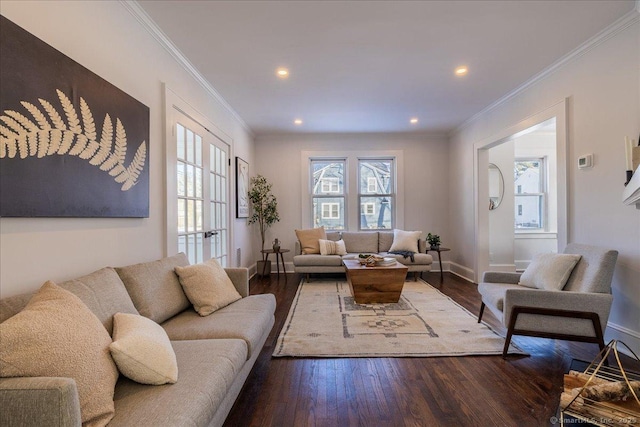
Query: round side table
point(439, 249)
point(267, 252)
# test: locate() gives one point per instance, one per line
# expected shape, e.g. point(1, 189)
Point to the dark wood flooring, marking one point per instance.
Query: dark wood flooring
point(439, 391)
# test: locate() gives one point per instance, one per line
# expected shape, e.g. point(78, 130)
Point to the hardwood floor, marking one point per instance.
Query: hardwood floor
point(440, 391)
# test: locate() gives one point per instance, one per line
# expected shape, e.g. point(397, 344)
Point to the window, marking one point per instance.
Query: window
point(376, 193)
point(531, 194)
point(330, 185)
point(328, 193)
point(372, 185)
point(369, 208)
point(352, 191)
point(330, 211)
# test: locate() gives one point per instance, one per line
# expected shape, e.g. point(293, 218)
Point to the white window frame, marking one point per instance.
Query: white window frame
point(330, 185)
point(372, 185)
point(369, 208)
point(352, 207)
point(542, 194)
point(333, 210)
point(391, 196)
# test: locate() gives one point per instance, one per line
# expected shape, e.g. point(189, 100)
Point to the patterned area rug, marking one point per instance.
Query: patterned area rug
point(324, 321)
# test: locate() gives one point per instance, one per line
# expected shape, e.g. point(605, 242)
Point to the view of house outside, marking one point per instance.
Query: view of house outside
point(529, 194)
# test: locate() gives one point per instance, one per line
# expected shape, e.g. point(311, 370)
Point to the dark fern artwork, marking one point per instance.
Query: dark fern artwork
point(71, 144)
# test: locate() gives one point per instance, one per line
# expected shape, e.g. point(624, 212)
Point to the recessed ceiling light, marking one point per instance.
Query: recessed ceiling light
point(462, 70)
point(282, 72)
point(297, 122)
point(413, 120)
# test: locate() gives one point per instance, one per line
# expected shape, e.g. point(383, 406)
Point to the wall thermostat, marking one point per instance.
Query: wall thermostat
point(585, 162)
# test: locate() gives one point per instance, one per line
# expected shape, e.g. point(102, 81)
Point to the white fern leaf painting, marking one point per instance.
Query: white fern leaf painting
point(72, 144)
point(24, 137)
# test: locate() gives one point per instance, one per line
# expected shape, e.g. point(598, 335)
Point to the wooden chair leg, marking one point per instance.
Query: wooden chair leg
point(512, 324)
point(481, 312)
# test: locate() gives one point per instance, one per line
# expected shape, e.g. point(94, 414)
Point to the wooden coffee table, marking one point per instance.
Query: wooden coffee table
point(370, 285)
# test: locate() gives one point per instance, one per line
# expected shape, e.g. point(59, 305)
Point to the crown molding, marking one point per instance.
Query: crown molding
point(630, 18)
point(148, 24)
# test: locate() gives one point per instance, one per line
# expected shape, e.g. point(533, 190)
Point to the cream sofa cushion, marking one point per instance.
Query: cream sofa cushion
point(309, 239)
point(207, 286)
point(328, 247)
point(56, 335)
point(142, 350)
point(405, 241)
point(549, 271)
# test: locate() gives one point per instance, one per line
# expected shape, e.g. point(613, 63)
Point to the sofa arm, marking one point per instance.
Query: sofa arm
point(501, 277)
point(240, 278)
point(39, 401)
point(558, 300)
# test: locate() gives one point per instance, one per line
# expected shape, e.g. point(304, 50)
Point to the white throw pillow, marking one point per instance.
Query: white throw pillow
point(142, 350)
point(405, 240)
point(549, 271)
point(56, 335)
point(207, 286)
point(329, 247)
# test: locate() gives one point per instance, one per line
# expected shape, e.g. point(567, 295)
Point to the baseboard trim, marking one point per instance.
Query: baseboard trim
point(461, 271)
point(626, 335)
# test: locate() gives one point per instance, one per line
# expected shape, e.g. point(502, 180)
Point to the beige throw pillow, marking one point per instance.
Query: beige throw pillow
point(56, 335)
point(549, 271)
point(142, 350)
point(207, 286)
point(405, 241)
point(309, 239)
point(329, 247)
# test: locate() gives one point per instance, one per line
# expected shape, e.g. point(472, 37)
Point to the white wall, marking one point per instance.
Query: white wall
point(107, 39)
point(278, 158)
point(501, 218)
point(603, 87)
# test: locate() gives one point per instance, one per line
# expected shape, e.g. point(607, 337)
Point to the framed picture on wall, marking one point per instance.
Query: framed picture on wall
point(242, 188)
point(72, 144)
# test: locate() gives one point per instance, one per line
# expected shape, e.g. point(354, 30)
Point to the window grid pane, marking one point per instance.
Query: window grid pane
point(530, 194)
point(376, 193)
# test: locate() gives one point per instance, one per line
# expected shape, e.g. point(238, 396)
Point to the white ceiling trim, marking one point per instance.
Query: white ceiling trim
point(618, 26)
point(148, 24)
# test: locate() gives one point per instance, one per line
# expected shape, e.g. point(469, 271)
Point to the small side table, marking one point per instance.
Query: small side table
point(267, 252)
point(440, 249)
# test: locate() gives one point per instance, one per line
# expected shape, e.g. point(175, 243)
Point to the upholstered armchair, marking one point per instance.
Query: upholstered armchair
point(576, 310)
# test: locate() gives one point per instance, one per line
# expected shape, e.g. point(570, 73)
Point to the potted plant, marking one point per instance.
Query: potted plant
point(434, 241)
point(265, 213)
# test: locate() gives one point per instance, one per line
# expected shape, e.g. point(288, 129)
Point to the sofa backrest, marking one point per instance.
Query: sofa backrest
point(154, 287)
point(360, 242)
point(385, 240)
point(102, 291)
point(594, 271)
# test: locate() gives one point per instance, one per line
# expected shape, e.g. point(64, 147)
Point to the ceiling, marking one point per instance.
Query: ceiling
point(361, 66)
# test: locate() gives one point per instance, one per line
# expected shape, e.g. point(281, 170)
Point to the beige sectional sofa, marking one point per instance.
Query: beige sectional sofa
point(214, 353)
point(376, 242)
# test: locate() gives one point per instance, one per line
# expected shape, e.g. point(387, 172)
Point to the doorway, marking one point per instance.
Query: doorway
point(523, 185)
point(551, 208)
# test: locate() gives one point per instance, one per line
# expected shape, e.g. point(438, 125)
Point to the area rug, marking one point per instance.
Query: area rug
point(324, 321)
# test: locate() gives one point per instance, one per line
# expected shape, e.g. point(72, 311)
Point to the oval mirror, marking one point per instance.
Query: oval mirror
point(496, 186)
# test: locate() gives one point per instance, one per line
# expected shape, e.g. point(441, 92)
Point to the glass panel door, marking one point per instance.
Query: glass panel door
point(201, 193)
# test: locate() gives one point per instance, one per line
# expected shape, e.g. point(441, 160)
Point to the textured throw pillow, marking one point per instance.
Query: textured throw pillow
point(56, 335)
point(549, 271)
point(142, 350)
point(405, 240)
point(309, 239)
point(329, 247)
point(207, 286)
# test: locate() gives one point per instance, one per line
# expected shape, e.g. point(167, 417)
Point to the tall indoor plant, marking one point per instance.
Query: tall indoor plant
point(265, 208)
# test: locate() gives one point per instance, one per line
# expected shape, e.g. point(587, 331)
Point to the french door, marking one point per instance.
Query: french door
point(197, 187)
